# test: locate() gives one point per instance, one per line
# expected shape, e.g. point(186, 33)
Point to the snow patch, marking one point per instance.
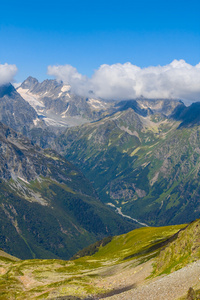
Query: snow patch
point(23, 179)
point(32, 99)
point(36, 121)
point(66, 88)
point(97, 104)
point(51, 122)
point(143, 106)
point(64, 113)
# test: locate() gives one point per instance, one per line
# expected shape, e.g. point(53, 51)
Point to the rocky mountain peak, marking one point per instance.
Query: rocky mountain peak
point(47, 86)
point(29, 83)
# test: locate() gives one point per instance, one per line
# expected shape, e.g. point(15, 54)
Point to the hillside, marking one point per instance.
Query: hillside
point(147, 263)
point(109, 271)
point(46, 203)
point(143, 162)
point(182, 251)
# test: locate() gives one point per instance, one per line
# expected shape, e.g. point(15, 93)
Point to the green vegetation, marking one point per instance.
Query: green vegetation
point(82, 277)
point(139, 243)
point(184, 250)
point(7, 257)
point(92, 249)
point(67, 221)
point(47, 205)
point(147, 166)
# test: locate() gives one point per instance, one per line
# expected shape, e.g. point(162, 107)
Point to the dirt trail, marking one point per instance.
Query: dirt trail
point(169, 287)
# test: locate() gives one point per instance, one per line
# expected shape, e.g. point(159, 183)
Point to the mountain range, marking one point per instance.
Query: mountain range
point(77, 175)
point(132, 163)
point(58, 106)
point(144, 163)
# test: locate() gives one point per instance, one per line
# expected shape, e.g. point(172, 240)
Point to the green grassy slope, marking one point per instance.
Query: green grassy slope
point(48, 279)
point(182, 251)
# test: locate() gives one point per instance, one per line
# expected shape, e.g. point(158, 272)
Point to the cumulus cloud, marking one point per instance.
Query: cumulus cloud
point(127, 81)
point(7, 72)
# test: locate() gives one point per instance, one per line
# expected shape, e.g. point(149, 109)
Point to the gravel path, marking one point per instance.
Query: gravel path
point(169, 287)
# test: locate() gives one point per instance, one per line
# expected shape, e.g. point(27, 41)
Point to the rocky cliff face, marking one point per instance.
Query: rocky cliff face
point(146, 107)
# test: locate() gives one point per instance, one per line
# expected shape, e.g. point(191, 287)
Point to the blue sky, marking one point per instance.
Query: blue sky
point(87, 34)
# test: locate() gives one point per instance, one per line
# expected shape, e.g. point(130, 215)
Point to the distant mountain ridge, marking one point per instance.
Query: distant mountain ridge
point(59, 107)
point(189, 116)
point(145, 107)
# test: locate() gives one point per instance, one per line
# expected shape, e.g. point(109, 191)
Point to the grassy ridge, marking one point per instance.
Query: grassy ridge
point(137, 244)
point(184, 250)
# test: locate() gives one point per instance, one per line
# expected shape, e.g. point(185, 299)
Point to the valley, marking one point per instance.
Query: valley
point(147, 166)
point(47, 204)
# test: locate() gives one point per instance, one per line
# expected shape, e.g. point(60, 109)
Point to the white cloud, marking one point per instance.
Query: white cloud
point(7, 72)
point(126, 81)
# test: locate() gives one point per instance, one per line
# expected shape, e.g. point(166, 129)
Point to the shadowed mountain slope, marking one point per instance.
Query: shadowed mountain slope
point(189, 116)
point(15, 112)
point(46, 203)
